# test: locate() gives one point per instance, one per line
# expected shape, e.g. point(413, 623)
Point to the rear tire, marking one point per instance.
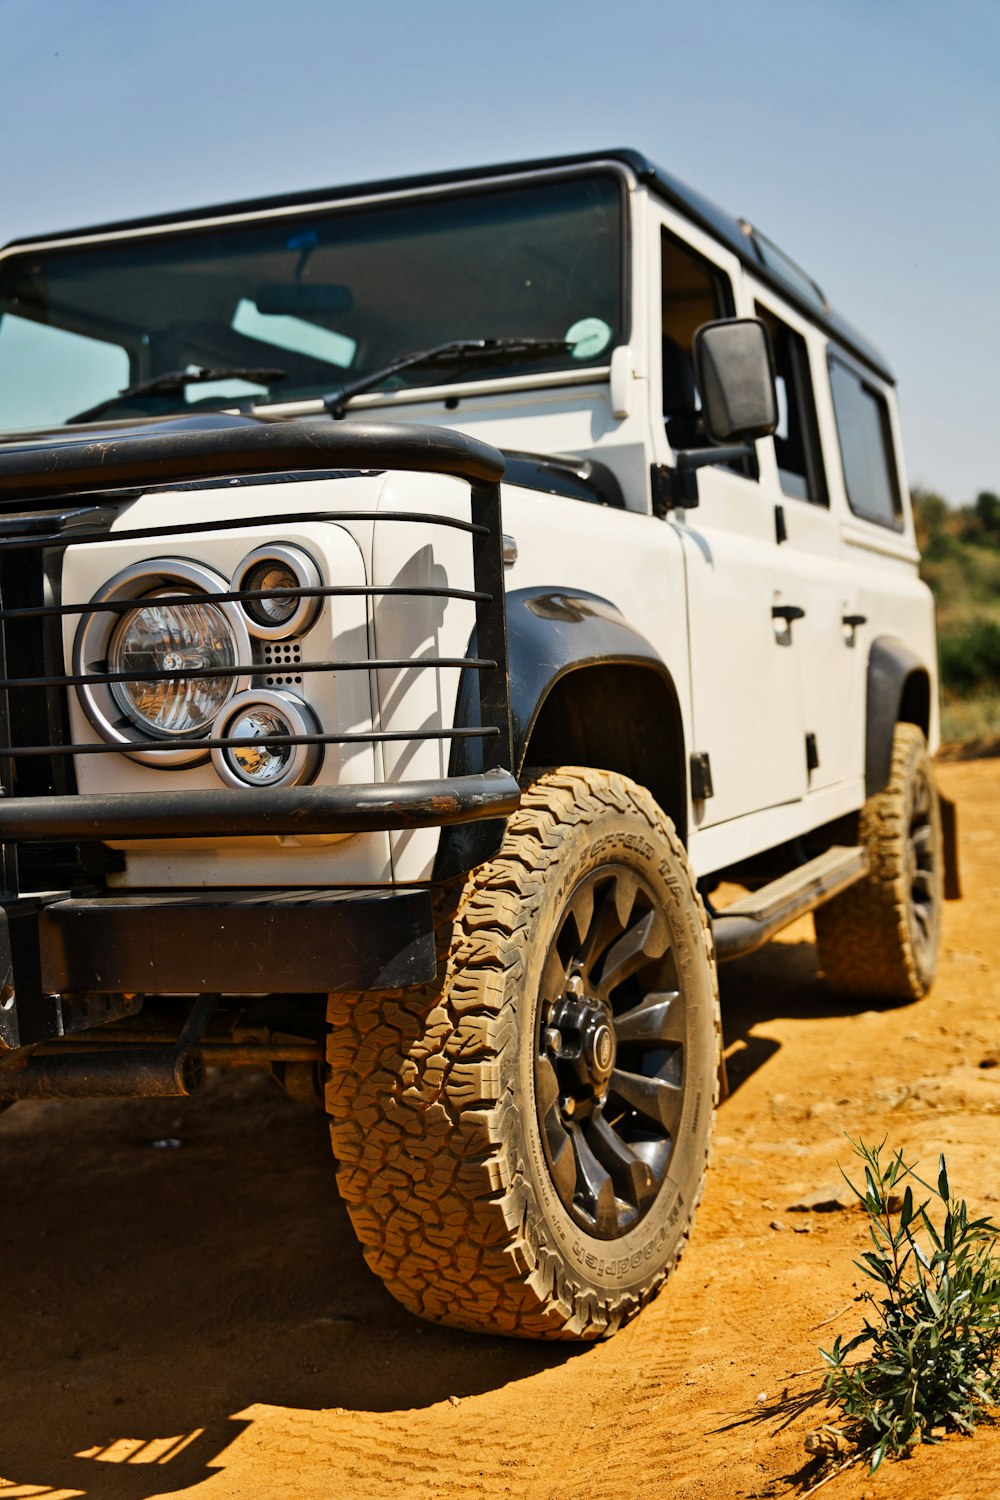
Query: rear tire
point(880, 939)
point(522, 1144)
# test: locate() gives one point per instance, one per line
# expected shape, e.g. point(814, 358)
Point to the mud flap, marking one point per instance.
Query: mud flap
point(949, 834)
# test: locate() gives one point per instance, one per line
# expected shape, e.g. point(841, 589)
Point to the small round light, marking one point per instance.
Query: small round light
point(254, 757)
point(278, 616)
point(172, 638)
point(275, 610)
point(259, 761)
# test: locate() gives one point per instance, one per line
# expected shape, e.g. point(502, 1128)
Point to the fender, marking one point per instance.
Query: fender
point(898, 689)
point(551, 633)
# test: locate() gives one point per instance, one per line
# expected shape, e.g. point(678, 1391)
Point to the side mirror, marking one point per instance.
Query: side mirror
point(734, 368)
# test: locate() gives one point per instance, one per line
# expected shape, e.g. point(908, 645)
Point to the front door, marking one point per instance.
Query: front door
point(744, 604)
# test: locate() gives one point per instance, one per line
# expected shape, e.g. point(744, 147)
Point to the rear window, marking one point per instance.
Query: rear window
point(865, 447)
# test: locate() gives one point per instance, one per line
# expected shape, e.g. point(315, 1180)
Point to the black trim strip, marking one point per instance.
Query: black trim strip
point(327, 591)
point(248, 669)
point(195, 528)
point(127, 747)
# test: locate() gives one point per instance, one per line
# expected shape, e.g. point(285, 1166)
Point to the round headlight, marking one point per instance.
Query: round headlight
point(172, 638)
point(254, 756)
point(156, 644)
point(279, 615)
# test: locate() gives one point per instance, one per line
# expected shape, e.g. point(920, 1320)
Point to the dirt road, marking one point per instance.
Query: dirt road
point(197, 1317)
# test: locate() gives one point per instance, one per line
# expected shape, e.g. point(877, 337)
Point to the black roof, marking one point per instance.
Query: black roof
point(735, 234)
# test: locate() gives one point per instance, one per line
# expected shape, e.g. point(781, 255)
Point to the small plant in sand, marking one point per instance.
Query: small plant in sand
point(932, 1328)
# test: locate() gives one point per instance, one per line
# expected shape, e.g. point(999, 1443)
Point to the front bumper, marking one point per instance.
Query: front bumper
point(202, 942)
point(217, 941)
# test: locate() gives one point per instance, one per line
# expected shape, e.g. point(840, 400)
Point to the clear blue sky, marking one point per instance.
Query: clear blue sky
point(862, 135)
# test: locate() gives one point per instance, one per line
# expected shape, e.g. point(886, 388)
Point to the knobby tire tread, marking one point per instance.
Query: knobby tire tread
point(863, 936)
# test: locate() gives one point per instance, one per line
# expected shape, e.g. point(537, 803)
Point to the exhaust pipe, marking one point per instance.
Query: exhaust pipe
point(140, 1073)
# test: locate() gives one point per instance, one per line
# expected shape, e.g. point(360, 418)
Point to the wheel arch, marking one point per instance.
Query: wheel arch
point(899, 691)
point(586, 688)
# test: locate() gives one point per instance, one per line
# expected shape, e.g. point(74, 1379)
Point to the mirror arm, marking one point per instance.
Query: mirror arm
point(677, 488)
point(700, 458)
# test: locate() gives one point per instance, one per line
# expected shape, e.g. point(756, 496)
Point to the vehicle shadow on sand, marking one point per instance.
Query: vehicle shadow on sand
point(781, 981)
point(152, 1293)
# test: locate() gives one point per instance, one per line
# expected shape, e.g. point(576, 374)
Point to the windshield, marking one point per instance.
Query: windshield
point(327, 296)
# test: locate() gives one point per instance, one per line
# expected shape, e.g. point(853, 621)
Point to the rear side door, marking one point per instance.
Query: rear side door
point(830, 634)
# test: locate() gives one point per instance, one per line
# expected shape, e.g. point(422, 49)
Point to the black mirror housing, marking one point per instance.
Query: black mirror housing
point(734, 368)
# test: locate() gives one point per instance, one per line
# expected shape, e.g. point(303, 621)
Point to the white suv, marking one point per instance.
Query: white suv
point(316, 761)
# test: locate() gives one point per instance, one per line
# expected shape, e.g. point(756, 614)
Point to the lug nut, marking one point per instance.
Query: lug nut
point(553, 1040)
point(569, 1106)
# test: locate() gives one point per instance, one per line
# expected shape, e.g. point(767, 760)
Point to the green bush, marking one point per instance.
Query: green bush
point(969, 653)
point(934, 1337)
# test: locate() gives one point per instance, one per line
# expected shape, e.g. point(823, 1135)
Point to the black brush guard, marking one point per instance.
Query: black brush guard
point(237, 941)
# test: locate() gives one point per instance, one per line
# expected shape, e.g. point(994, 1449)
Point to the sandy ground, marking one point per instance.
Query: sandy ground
point(198, 1317)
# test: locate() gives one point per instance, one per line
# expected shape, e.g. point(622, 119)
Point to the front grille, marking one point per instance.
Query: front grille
point(282, 657)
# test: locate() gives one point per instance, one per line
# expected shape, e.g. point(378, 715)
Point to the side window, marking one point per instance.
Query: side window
point(796, 442)
point(692, 292)
point(865, 447)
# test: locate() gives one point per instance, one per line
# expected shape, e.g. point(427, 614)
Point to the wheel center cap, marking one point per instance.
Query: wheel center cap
point(603, 1051)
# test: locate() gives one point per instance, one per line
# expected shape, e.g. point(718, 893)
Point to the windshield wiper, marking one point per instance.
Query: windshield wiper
point(483, 351)
point(177, 380)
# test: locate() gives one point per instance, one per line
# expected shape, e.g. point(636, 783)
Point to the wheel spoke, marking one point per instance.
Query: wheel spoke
point(922, 916)
point(581, 909)
point(626, 889)
point(923, 881)
point(644, 941)
point(557, 1138)
point(658, 1018)
point(653, 1097)
point(605, 927)
point(564, 1170)
point(633, 1178)
point(921, 839)
point(594, 1185)
point(546, 1086)
point(553, 980)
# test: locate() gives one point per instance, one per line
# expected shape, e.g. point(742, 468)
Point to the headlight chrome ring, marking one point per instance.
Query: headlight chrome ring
point(248, 719)
point(165, 638)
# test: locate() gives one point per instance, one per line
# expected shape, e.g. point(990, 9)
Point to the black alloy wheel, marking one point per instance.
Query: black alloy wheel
point(609, 1069)
point(922, 872)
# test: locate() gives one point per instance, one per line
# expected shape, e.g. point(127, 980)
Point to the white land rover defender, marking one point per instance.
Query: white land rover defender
point(416, 598)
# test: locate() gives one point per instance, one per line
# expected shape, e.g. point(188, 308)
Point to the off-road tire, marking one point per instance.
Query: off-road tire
point(880, 939)
point(431, 1093)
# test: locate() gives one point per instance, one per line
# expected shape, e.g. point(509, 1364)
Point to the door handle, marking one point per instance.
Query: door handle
point(787, 612)
point(850, 625)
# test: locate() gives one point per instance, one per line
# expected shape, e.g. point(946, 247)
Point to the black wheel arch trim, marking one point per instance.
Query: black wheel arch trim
point(552, 632)
point(898, 688)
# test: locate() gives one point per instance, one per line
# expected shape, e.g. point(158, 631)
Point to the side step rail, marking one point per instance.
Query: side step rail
point(752, 921)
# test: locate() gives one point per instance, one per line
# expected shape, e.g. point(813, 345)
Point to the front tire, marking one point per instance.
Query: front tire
point(522, 1144)
point(880, 939)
